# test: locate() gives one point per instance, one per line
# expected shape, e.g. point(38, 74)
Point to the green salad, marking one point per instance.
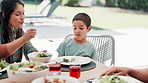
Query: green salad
point(28, 67)
point(3, 64)
point(112, 79)
point(68, 60)
point(43, 55)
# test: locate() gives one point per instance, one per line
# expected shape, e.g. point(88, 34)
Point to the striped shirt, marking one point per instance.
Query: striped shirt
point(18, 54)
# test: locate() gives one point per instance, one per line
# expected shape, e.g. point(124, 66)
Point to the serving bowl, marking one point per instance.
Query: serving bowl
point(40, 56)
point(20, 73)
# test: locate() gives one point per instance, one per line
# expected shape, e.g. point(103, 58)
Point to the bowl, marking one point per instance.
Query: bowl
point(40, 56)
point(24, 77)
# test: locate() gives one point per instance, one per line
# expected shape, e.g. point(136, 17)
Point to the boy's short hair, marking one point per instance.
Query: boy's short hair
point(83, 17)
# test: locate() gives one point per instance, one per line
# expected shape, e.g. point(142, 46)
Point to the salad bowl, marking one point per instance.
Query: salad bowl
point(26, 72)
point(40, 56)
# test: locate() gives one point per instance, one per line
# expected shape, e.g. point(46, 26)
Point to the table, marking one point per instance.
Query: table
point(85, 75)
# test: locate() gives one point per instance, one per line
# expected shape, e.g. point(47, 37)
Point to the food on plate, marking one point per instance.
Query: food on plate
point(42, 54)
point(68, 60)
point(3, 64)
point(28, 67)
point(112, 79)
point(55, 80)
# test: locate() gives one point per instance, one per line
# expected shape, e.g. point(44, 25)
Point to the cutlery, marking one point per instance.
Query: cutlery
point(90, 80)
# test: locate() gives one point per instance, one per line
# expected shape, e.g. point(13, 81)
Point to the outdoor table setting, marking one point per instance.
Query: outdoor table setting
point(68, 69)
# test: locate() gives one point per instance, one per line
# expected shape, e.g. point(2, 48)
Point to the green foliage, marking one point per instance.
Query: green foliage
point(97, 28)
point(129, 4)
point(111, 3)
point(70, 2)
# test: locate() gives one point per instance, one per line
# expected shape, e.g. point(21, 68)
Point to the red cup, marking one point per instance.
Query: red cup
point(55, 69)
point(75, 71)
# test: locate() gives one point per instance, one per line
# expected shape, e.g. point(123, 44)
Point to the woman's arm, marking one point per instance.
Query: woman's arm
point(28, 48)
point(140, 74)
point(10, 48)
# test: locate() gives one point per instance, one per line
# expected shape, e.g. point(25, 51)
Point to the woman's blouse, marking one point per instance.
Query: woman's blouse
point(17, 55)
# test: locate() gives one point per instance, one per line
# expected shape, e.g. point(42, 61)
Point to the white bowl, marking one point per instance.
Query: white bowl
point(25, 77)
point(32, 57)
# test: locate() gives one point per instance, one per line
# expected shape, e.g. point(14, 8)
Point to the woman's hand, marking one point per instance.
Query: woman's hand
point(30, 33)
point(44, 51)
point(116, 70)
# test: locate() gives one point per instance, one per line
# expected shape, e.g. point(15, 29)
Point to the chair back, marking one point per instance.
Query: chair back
point(54, 5)
point(105, 46)
point(42, 6)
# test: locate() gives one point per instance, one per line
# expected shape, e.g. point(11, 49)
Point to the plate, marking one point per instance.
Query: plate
point(126, 78)
point(68, 79)
point(4, 69)
point(73, 60)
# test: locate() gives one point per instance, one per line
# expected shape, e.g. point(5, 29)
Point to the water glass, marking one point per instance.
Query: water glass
point(54, 68)
point(75, 71)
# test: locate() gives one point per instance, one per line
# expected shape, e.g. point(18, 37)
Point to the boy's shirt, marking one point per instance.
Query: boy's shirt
point(70, 48)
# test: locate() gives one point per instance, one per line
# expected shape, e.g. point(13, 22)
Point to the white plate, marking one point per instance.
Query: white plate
point(128, 79)
point(78, 60)
point(68, 79)
point(4, 69)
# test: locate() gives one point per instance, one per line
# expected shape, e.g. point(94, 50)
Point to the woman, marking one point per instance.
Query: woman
point(14, 43)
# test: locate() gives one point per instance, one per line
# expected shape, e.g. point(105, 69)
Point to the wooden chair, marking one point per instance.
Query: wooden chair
point(105, 46)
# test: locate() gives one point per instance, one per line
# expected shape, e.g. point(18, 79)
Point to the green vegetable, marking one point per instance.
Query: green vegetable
point(3, 64)
point(68, 60)
point(41, 67)
point(112, 79)
point(37, 67)
point(65, 60)
point(43, 55)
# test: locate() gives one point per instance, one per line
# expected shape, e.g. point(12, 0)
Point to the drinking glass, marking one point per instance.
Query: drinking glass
point(54, 68)
point(75, 71)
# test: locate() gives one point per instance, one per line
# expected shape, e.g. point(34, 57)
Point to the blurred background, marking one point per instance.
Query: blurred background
point(125, 20)
point(105, 14)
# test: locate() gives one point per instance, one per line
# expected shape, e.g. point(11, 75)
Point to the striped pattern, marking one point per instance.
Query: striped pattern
point(17, 55)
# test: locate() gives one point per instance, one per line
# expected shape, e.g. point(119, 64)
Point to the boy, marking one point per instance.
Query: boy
point(79, 46)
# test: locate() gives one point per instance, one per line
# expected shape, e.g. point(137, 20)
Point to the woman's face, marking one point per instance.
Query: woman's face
point(17, 17)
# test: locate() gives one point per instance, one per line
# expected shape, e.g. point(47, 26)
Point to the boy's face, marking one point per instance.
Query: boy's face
point(80, 29)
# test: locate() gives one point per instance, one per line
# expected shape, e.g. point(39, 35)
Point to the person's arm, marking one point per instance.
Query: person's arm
point(61, 49)
point(11, 47)
point(94, 54)
point(140, 74)
point(28, 48)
